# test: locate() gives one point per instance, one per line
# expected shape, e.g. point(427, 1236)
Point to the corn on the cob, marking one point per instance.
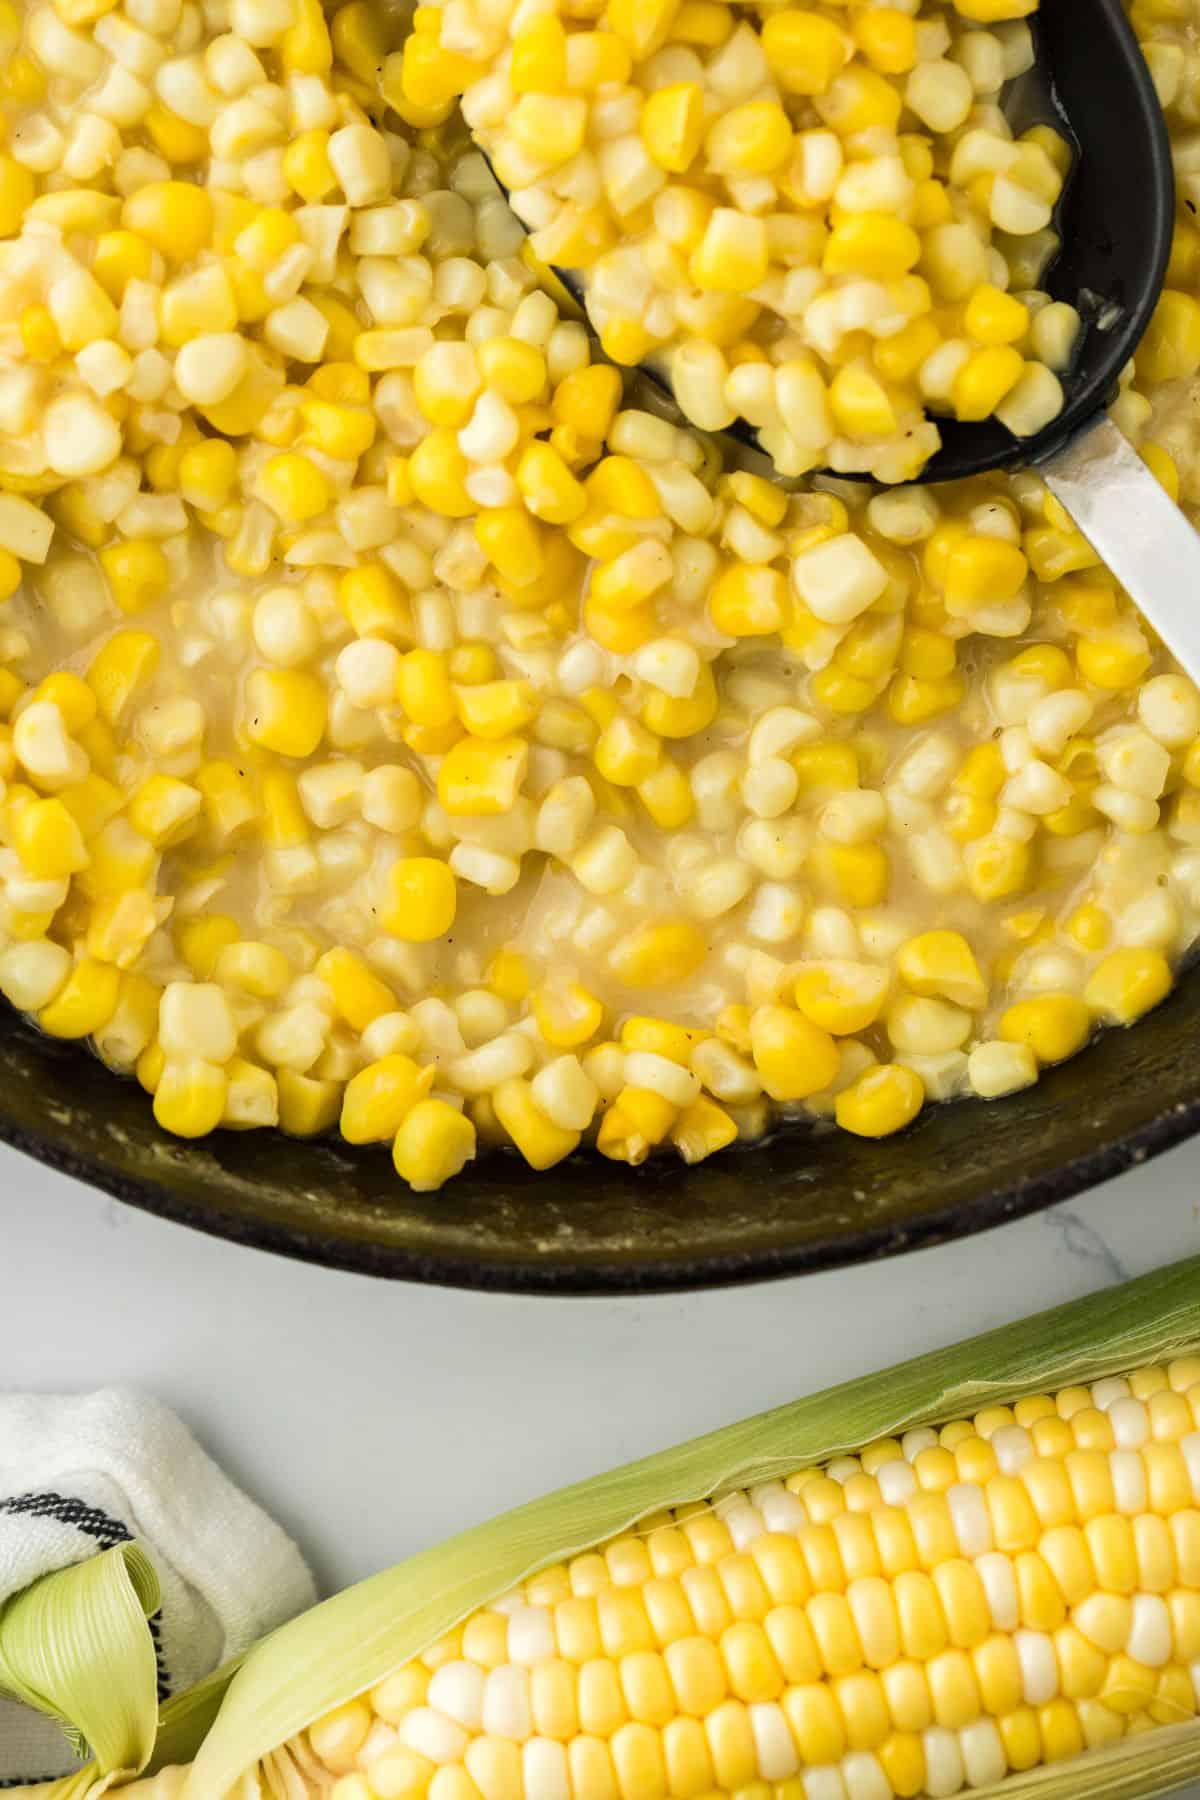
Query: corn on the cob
point(928, 1615)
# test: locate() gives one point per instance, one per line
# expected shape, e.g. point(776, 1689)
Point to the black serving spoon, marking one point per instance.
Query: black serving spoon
point(1115, 222)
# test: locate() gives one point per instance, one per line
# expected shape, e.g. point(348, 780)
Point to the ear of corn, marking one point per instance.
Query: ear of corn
point(593, 1565)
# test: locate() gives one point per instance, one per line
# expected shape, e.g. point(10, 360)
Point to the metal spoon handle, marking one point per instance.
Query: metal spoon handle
point(1136, 527)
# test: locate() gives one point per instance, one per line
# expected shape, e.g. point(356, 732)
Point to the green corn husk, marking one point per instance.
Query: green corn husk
point(345, 1646)
point(75, 1645)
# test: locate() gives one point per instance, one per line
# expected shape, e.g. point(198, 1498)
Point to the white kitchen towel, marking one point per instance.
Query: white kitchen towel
point(79, 1473)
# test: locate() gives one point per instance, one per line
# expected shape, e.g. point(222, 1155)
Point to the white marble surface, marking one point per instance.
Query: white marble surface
point(375, 1418)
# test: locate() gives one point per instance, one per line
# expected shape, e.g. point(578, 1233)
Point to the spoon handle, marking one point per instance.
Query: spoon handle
point(1130, 519)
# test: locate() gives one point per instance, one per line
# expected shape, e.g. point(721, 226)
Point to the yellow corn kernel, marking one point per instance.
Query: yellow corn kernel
point(666, 795)
point(587, 399)
point(596, 58)
point(294, 488)
point(859, 873)
point(661, 1037)
point(539, 58)
point(357, 41)
point(991, 12)
point(379, 1098)
point(343, 432)
point(358, 995)
point(120, 859)
point(670, 717)
point(190, 1096)
point(984, 380)
point(17, 190)
point(230, 807)
point(1090, 926)
point(1128, 983)
point(434, 1143)
point(942, 963)
point(926, 654)
point(982, 772)
point(622, 630)
point(343, 323)
point(1170, 349)
point(496, 709)
point(1113, 662)
point(841, 997)
point(875, 246)
point(898, 358)
point(286, 710)
point(548, 127)
point(377, 606)
point(48, 840)
point(307, 168)
point(92, 802)
point(200, 942)
point(1162, 466)
point(421, 899)
point(509, 975)
point(73, 698)
point(547, 486)
point(438, 469)
point(177, 140)
point(618, 484)
point(748, 600)
point(480, 776)
point(672, 125)
point(119, 671)
point(512, 542)
point(826, 767)
point(626, 753)
point(887, 38)
point(39, 334)
point(805, 50)
point(659, 954)
point(992, 317)
point(1054, 1026)
point(268, 234)
point(997, 867)
point(704, 23)
point(860, 405)
point(165, 810)
point(85, 1002)
point(206, 477)
point(308, 1107)
point(702, 1129)
point(982, 571)
point(751, 139)
point(305, 47)
point(540, 1141)
point(23, 79)
point(175, 217)
point(861, 100)
point(732, 257)
point(794, 1057)
point(633, 1124)
point(567, 1016)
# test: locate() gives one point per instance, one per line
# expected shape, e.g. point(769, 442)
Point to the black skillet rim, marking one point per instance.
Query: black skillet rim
point(527, 1274)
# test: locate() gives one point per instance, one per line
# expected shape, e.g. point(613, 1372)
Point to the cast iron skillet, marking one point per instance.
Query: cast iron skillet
point(805, 1200)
